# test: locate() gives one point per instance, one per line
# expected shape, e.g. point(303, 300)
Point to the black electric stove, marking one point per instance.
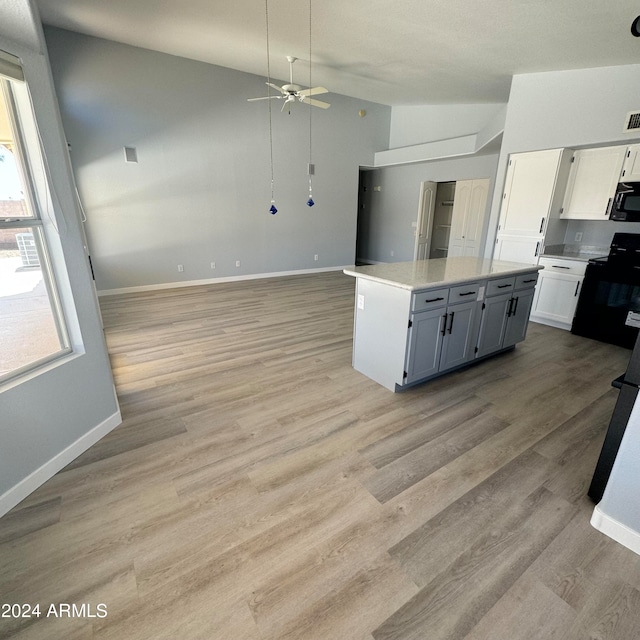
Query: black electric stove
point(611, 289)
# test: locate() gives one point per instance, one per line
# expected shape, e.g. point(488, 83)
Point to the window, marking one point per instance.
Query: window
point(32, 326)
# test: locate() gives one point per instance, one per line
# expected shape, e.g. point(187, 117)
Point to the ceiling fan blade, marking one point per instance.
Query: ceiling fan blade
point(316, 103)
point(264, 98)
point(276, 87)
point(313, 92)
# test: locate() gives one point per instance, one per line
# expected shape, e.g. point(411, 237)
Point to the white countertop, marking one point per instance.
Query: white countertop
point(425, 274)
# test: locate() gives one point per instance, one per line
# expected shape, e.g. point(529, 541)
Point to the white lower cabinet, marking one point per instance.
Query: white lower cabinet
point(557, 292)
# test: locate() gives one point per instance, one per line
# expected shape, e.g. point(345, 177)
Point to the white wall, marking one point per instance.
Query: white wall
point(201, 190)
point(394, 208)
point(618, 513)
point(52, 417)
point(568, 109)
point(417, 124)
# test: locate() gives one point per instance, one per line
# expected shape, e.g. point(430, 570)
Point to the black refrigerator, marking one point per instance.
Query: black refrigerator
point(628, 383)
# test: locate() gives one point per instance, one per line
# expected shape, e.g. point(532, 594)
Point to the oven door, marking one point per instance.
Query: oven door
point(608, 294)
point(626, 203)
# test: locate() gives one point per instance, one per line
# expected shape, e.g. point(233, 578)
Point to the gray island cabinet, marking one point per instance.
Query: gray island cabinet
point(417, 320)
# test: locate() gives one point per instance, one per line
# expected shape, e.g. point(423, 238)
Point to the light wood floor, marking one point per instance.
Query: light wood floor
point(260, 488)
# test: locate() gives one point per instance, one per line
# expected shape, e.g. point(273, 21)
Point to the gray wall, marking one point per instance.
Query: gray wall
point(46, 413)
point(567, 109)
point(200, 192)
point(394, 208)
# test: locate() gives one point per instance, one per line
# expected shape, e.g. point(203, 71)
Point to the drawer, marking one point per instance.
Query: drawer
point(430, 299)
point(501, 285)
point(560, 265)
point(526, 280)
point(464, 292)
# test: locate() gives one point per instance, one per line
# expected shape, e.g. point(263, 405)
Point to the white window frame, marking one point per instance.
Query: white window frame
point(27, 157)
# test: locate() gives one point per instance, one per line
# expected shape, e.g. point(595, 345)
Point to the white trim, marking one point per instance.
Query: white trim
point(550, 323)
point(28, 485)
point(616, 530)
point(195, 283)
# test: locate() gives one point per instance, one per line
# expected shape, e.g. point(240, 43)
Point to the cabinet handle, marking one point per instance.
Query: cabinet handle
point(515, 308)
point(502, 286)
point(509, 309)
point(557, 266)
point(541, 225)
point(444, 324)
point(577, 287)
point(537, 248)
point(527, 281)
point(453, 313)
point(608, 209)
point(468, 293)
point(433, 299)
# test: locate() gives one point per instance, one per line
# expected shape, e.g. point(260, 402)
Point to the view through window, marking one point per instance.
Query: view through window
point(32, 329)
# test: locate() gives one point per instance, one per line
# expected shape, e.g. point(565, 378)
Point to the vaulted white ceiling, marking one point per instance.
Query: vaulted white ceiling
point(389, 51)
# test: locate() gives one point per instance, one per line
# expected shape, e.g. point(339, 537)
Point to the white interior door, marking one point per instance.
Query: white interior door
point(425, 220)
point(475, 218)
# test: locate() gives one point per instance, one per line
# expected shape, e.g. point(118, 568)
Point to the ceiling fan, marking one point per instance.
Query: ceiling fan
point(292, 92)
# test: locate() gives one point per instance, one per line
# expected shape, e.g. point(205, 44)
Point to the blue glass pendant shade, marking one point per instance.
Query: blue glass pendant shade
point(310, 202)
point(273, 210)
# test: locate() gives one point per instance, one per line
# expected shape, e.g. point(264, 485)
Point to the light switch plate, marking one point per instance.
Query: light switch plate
point(360, 301)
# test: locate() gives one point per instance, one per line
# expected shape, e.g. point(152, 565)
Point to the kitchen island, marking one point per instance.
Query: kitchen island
point(417, 320)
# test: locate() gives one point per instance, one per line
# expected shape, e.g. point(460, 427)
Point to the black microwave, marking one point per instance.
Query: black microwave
point(626, 203)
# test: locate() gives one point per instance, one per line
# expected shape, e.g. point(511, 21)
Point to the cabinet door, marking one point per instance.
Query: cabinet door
point(631, 166)
point(556, 297)
point(460, 335)
point(494, 324)
point(518, 248)
point(592, 182)
point(528, 193)
point(425, 344)
point(518, 321)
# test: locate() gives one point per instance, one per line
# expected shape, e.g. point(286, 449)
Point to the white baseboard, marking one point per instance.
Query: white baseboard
point(550, 323)
point(20, 491)
point(196, 283)
point(616, 530)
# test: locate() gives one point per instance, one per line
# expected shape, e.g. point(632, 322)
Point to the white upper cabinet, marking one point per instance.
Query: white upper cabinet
point(467, 221)
point(594, 176)
point(631, 166)
point(528, 194)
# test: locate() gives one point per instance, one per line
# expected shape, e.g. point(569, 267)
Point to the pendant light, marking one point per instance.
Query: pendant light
point(300, 95)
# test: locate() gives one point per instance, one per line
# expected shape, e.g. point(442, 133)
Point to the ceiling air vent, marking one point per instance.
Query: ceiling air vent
point(632, 122)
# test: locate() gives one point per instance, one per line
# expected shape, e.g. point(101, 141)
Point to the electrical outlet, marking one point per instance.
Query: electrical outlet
point(237, 263)
point(180, 268)
point(315, 257)
point(213, 265)
point(579, 236)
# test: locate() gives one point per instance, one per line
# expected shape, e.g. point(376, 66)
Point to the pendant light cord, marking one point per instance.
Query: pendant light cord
point(309, 169)
point(266, 11)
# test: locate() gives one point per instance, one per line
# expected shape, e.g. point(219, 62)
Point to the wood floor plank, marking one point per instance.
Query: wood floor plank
point(423, 460)
point(458, 597)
